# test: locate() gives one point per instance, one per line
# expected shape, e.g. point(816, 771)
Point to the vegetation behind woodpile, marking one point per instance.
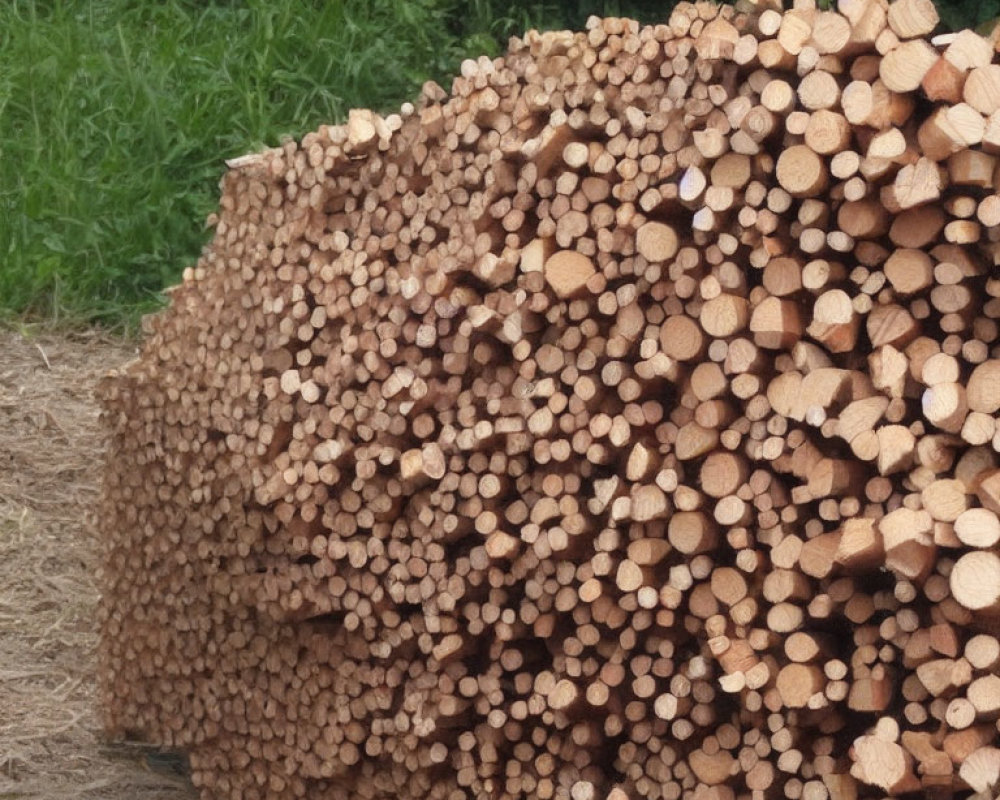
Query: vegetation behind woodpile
point(115, 117)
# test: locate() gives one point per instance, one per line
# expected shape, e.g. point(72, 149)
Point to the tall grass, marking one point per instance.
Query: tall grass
point(116, 115)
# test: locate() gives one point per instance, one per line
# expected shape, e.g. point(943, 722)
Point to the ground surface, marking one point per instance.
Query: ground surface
point(51, 744)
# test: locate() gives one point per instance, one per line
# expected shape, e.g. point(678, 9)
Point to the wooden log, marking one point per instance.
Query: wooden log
point(903, 68)
point(912, 18)
point(801, 172)
point(835, 323)
point(656, 242)
point(975, 580)
point(981, 769)
point(568, 272)
point(883, 763)
point(978, 527)
point(982, 89)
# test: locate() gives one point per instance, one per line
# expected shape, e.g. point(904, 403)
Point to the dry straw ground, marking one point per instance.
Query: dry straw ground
point(50, 740)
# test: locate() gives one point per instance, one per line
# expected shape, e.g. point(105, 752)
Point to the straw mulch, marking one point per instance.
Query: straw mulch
point(51, 744)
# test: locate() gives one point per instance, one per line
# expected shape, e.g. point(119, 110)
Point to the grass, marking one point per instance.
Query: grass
point(115, 117)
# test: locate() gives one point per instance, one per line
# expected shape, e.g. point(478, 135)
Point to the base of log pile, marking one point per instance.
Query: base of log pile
point(621, 425)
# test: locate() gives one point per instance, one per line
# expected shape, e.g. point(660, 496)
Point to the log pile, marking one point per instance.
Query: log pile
point(621, 425)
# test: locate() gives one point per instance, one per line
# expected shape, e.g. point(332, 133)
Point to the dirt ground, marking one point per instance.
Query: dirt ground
point(51, 745)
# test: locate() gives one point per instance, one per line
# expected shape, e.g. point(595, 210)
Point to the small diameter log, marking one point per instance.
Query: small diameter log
point(567, 272)
point(975, 581)
point(801, 171)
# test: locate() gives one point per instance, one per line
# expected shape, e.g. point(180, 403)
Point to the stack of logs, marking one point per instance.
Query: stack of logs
point(622, 425)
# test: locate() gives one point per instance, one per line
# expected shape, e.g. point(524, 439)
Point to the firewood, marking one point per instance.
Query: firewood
point(903, 68)
point(801, 171)
point(975, 580)
point(534, 441)
point(978, 527)
point(982, 89)
point(656, 242)
point(834, 321)
point(567, 272)
point(981, 769)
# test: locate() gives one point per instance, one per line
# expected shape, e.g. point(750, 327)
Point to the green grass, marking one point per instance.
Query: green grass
point(116, 115)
